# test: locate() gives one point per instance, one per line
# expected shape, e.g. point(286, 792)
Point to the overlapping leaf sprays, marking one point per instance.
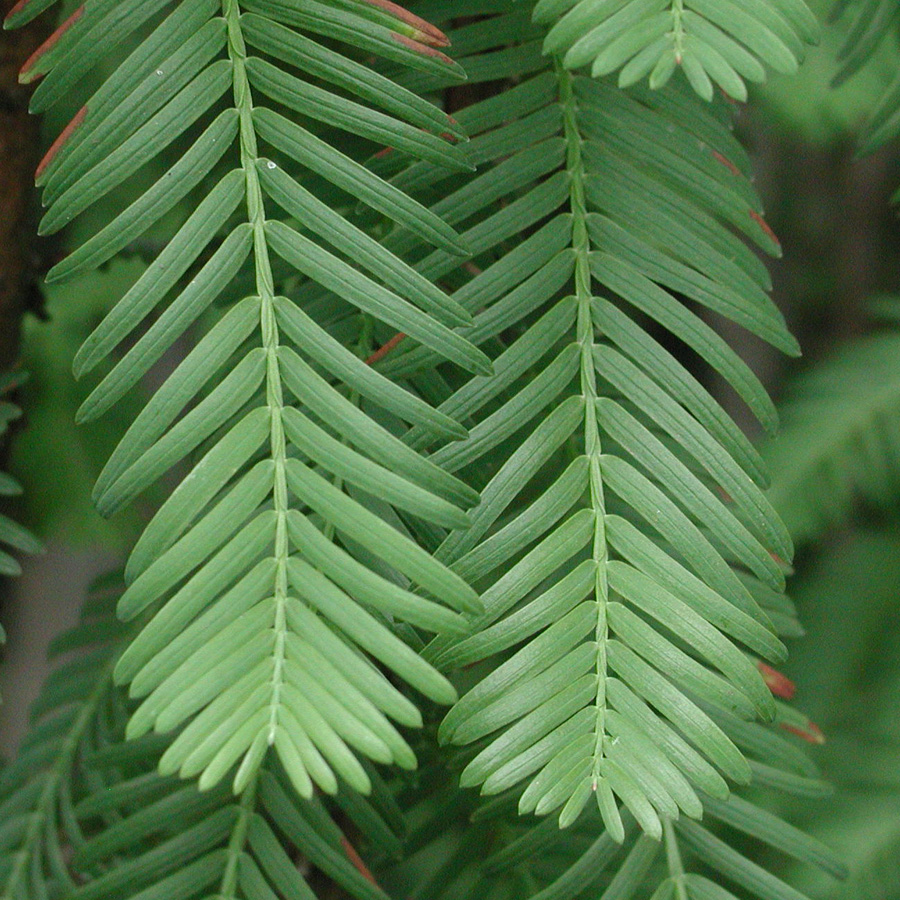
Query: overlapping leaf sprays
point(628, 564)
point(622, 495)
point(244, 643)
point(627, 556)
point(86, 815)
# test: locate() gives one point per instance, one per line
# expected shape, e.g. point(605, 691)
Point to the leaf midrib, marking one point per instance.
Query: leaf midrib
point(49, 795)
point(585, 338)
point(256, 216)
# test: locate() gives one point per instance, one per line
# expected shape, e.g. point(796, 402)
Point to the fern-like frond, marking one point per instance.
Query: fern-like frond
point(715, 42)
point(486, 850)
point(13, 537)
point(76, 715)
point(840, 441)
point(611, 603)
point(278, 572)
point(87, 816)
point(159, 837)
point(869, 24)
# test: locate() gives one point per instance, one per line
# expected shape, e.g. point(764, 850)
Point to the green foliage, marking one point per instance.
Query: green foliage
point(850, 678)
point(715, 43)
point(62, 505)
point(74, 718)
point(433, 428)
point(840, 439)
point(810, 106)
point(235, 524)
point(571, 581)
point(12, 535)
point(872, 24)
point(86, 815)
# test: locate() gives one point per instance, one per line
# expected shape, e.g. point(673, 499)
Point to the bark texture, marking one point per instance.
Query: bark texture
point(19, 153)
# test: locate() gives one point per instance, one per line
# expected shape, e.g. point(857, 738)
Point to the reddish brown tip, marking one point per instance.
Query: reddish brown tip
point(812, 734)
point(780, 685)
point(424, 31)
point(17, 8)
point(31, 70)
point(357, 861)
point(765, 227)
point(421, 48)
point(57, 145)
point(382, 352)
point(726, 162)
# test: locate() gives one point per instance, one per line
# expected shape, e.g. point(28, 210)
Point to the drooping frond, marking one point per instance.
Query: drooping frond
point(485, 848)
point(629, 563)
point(715, 42)
point(622, 516)
point(840, 440)
point(278, 572)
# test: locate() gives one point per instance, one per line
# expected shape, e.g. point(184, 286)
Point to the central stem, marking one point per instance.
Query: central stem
point(678, 29)
point(585, 338)
point(673, 857)
point(238, 841)
point(44, 810)
point(265, 288)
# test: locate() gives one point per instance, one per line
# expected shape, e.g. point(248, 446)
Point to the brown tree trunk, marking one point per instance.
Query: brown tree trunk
point(19, 149)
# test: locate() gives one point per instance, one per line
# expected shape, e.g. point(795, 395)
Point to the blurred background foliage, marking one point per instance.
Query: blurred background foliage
point(836, 466)
point(831, 198)
point(62, 505)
